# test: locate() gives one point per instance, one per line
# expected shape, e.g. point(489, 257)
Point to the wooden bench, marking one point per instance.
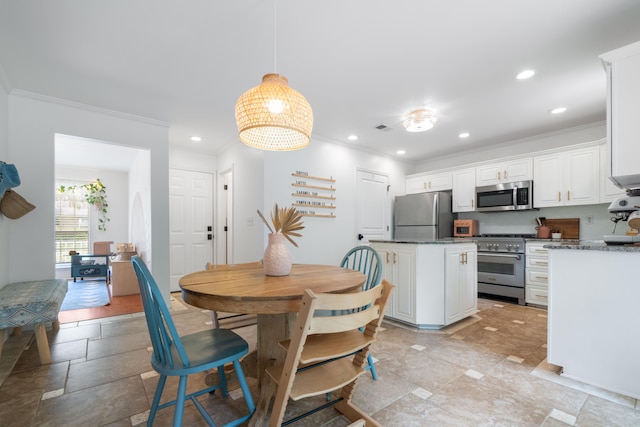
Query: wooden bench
point(32, 303)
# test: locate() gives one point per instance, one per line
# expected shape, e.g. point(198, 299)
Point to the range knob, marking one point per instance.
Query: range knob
point(509, 246)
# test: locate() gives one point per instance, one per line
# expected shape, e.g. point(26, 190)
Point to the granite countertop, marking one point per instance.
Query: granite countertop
point(593, 245)
point(443, 241)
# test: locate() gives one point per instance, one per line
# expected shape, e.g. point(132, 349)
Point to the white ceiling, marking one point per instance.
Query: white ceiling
point(360, 63)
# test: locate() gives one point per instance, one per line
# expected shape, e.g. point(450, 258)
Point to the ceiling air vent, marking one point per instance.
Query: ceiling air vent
point(383, 128)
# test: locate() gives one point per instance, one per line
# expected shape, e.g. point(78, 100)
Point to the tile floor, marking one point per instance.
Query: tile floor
point(488, 370)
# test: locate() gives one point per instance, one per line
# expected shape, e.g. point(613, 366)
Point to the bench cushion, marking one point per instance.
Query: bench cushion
point(30, 303)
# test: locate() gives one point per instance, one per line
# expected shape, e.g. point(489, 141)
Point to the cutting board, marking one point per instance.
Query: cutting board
point(569, 227)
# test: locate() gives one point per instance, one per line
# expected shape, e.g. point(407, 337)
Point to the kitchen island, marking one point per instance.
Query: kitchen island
point(435, 280)
point(594, 320)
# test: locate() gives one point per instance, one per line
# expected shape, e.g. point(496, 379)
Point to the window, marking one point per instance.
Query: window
point(72, 222)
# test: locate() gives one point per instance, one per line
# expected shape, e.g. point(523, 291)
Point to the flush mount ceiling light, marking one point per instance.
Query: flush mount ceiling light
point(420, 120)
point(526, 74)
point(272, 116)
point(558, 110)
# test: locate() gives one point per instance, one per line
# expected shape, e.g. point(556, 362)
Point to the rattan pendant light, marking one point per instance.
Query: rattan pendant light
point(272, 116)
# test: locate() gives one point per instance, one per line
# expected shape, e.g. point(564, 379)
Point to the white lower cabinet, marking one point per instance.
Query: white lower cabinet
point(435, 283)
point(461, 282)
point(537, 274)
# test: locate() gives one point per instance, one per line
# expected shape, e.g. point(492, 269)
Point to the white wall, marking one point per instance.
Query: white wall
point(192, 160)
point(325, 240)
point(4, 155)
point(248, 185)
point(33, 122)
point(117, 188)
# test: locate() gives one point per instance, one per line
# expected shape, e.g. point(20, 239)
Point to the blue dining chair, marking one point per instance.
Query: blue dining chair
point(366, 260)
point(174, 355)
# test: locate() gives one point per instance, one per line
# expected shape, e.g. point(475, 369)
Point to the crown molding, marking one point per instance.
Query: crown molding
point(39, 97)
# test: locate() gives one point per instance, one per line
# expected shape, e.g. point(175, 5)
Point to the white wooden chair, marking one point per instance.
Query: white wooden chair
point(327, 353)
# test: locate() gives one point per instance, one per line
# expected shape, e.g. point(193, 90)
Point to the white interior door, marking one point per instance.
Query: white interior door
point(372, 211)
point(191, 222)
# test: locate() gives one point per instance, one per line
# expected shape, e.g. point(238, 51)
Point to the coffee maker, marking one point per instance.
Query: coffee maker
point(626, 208)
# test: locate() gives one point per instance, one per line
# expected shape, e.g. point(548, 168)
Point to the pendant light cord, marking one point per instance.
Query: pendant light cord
point(275, 36)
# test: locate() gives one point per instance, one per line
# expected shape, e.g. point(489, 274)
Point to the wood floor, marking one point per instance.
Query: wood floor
point(126, 304)
point(120, 305)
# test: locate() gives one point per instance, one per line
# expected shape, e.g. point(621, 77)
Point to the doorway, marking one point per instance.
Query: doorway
point(225, 217)
point(372, 206)
point(191, 237)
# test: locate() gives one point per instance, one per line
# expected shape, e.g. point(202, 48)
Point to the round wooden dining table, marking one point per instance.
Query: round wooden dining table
point(244, 288)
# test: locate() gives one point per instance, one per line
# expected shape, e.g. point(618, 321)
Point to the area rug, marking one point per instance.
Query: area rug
point(83, 294)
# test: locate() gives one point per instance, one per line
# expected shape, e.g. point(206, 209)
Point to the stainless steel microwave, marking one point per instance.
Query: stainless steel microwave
point(510, 196)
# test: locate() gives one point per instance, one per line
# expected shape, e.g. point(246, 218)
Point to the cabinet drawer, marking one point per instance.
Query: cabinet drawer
point(537, 295)
point(536, 249)
point(537, 276)
point(537, 262)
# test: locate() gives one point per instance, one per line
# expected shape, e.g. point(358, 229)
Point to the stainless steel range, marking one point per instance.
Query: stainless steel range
point(501, 265)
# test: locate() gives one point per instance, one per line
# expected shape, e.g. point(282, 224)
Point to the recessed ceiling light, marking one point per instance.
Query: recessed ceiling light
point(558, 110)
point(196, 139)
point(464, 135)
point(352, 137)
point(523, 75)
point(401, 152)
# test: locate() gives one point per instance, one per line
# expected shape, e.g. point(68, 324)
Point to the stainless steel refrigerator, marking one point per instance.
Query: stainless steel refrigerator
point(423, 216)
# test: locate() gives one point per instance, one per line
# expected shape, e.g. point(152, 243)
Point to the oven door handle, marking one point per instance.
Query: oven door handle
point(500, 255)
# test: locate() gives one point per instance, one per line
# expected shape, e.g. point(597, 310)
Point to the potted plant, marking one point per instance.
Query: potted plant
point(95, 193)
point(286, 224)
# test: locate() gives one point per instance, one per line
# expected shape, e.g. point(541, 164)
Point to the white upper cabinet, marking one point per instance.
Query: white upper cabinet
point(428, 182)
point(567, 178)
point(623, 111)
point(464, 190)
point(608, 191)
point(507, 171)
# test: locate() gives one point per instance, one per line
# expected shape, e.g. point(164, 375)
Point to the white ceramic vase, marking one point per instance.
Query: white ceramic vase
point(277, 259)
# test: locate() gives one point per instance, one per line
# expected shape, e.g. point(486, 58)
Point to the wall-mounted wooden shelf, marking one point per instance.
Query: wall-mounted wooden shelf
point(319, 178)
point(304, 208)
point(312, 196)
point(320, 216)
point(313, 206)
point(314, 187)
